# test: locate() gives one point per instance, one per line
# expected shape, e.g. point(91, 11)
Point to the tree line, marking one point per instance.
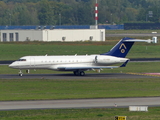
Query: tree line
point(77, 12)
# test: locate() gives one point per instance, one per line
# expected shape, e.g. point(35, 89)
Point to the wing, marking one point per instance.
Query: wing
point(90, 67)
point(85, 68)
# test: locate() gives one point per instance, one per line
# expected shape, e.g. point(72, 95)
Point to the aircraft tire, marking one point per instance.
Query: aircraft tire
point(79, 73)
point(82, 73)
point(20, 74)
point(75, 73)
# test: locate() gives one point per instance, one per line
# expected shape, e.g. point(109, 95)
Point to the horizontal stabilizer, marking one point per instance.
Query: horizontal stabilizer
point(139, 40)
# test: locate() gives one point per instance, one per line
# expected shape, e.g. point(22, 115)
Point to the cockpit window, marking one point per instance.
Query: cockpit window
point(22, 60)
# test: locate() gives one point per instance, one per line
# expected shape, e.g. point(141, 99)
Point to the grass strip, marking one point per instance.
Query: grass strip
point(43, 89)
point(80, 114)
point(13, 51)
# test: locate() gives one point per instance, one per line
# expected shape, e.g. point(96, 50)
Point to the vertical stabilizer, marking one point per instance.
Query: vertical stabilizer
point(122, 48)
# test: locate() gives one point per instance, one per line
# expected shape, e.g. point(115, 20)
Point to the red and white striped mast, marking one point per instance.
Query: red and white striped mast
point(96, 15)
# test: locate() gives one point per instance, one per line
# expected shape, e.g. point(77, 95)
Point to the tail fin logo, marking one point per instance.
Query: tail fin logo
point(123, 48)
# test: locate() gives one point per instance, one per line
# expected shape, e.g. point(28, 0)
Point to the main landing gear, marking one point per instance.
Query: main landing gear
point(79, 73)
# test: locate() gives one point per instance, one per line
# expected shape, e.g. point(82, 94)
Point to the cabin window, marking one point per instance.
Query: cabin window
point(22, 60)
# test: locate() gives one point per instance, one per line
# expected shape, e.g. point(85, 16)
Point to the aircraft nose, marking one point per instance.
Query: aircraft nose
point(11, 65)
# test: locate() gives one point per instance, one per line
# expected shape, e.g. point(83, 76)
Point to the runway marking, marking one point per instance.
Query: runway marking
point(153, 74)
point(145, 74)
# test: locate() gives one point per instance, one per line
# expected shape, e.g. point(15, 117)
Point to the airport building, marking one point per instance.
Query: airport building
point(48, 35)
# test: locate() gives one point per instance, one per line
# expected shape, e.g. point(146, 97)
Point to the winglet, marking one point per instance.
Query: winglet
point(124, 64)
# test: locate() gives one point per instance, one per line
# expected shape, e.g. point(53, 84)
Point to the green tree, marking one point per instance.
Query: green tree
point(76, 12)
point(33, 11)
point(45, 13)
point(3, 7)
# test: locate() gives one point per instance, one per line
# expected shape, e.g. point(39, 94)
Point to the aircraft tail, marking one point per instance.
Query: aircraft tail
point(122, 48)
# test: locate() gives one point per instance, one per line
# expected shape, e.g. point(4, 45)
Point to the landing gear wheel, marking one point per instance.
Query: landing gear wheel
point(82, 73)
point(79, 73)
point(20, 73)
point(75, 73)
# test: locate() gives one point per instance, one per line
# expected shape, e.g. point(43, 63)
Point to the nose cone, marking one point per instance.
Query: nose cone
point(13, 65)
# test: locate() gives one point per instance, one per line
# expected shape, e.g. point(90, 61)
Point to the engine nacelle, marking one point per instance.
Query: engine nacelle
point(102, 59)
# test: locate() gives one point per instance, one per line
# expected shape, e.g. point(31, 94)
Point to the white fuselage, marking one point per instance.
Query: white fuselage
point(56, 62)
point(79, 63)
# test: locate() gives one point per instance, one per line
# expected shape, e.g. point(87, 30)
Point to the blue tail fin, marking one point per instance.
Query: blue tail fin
point(121, 49)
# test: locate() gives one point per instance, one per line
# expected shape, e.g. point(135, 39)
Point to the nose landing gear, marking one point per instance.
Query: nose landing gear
point(20, 73)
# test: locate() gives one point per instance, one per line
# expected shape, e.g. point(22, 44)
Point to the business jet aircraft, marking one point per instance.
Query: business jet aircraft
point(79, 63)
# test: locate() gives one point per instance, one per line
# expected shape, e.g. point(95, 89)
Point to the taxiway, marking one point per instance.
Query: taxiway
point(80, 103)
point(71, 76)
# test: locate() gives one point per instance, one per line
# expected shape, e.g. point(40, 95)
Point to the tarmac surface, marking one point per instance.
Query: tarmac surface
point(72, 76)
point(80, 103)
point(133, 35)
